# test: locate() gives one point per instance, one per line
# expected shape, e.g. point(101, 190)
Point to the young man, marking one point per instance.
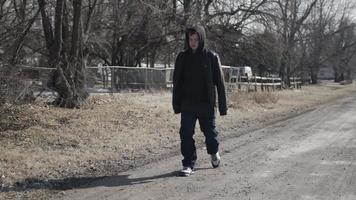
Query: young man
point(197, 75)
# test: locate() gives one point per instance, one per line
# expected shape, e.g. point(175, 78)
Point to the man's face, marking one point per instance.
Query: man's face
point(194, 41)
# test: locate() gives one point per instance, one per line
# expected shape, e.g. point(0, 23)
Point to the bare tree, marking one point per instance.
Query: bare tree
point(16, 20)
point(324, 31)
point(260, 50)
point(288, 17)
point(344, 46)
point(228, 24)
point(317, 31)
point(65, 45)
point(278, 35)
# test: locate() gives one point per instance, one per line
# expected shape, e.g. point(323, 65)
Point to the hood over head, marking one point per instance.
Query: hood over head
point(201, 33)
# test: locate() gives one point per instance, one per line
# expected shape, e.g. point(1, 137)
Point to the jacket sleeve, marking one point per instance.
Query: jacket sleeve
point(220, 85)
point(176, 96)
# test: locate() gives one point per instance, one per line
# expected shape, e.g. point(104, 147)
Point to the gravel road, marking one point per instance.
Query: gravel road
point(310, 156)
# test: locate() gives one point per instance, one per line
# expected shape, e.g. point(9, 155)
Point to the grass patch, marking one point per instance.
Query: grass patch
point(265, 97)
point(16, 118)
point(246, 100)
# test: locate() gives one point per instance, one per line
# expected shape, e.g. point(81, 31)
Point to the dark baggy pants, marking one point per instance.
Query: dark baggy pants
point(188, 149)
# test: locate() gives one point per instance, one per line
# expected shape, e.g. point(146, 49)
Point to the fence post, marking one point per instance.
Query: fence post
point(248, 83)
point(113, 78)
point(300, 83)
point(239, 82)
point(255, 84)
point(146, 69)
point(152, 78)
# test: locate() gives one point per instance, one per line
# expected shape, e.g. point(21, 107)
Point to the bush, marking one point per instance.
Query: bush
point(13, 90)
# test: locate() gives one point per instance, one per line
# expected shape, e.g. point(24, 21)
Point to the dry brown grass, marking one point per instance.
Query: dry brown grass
point(114, 132)
point(265, 97)
point(239, 99)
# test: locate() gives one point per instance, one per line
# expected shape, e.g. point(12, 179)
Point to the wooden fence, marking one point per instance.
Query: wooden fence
point(235, 81)
point(119, 77)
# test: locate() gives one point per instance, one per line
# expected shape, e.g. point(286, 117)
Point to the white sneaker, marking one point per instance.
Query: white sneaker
point(215, 160)
point(186, 171)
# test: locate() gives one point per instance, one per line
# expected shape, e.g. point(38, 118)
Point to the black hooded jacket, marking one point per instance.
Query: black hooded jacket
point(196, 75)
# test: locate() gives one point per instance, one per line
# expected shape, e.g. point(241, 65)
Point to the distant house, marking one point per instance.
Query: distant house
point(326, 73)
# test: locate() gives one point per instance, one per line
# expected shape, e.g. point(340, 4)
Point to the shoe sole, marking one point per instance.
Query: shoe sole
point(182, 174)
point(215, 166)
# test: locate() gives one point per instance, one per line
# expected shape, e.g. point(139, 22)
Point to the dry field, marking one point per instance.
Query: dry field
point(45, 149)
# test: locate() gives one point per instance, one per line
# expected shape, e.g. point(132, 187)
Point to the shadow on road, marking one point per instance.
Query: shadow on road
point(83, 182)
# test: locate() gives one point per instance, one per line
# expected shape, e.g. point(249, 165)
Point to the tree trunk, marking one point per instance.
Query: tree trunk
point(187, 10)
point(174, 5)
point(69, 78)
point(314, 77)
